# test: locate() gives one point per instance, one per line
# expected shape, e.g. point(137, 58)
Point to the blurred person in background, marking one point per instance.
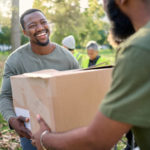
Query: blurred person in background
point(93, 56)
point(69, 43)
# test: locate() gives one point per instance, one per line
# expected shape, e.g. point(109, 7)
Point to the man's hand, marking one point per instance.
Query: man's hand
point(36, 137)
point(95, 136)
point(17, 123)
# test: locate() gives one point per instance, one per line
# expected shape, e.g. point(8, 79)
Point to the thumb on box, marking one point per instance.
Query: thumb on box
point(40, 120)
point(42, 123)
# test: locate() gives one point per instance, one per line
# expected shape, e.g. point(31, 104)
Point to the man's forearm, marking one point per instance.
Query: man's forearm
point(6, 108)
point(78, 139)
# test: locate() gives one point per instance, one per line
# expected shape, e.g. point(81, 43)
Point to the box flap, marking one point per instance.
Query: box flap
point(49, 73)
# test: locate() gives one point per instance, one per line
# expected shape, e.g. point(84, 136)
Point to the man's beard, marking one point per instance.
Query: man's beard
point(121, 25)
point(42, 44)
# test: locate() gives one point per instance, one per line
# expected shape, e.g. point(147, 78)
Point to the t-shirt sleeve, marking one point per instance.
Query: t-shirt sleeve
point(6, 104)
point(128, 99)
point(75, 64)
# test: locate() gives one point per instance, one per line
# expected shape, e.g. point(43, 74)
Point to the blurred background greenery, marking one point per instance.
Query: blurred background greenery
point(66, 17)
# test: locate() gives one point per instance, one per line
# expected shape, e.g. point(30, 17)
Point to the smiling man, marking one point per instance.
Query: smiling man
point(36, 55)
point(126, 105)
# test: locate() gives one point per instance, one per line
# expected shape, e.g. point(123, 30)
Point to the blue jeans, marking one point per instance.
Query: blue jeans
point(26, 144)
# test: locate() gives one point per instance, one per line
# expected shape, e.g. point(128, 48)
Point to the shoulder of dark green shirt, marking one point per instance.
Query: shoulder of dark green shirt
point(141, 39)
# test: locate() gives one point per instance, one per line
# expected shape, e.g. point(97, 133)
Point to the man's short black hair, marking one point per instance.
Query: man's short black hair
point(27, 12)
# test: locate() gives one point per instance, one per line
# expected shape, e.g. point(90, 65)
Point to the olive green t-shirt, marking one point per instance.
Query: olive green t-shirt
point(24, 60)
point(128, 99)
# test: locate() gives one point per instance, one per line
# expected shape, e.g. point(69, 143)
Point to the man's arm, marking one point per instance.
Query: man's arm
point(101, 134)
point(6, 105)
point(75, 63)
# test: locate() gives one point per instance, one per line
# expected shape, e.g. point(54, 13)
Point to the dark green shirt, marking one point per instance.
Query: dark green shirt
point(128, 99)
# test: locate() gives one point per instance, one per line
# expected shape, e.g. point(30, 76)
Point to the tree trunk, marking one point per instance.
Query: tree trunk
point(15, 25)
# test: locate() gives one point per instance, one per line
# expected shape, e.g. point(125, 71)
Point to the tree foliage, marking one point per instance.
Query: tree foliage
point(5, 35)
point(15, 25)
point(63, 16)
point(5, 17)
point(66, 18)
point(95, 27)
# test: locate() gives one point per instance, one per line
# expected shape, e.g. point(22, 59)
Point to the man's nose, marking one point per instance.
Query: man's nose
point(39, 27)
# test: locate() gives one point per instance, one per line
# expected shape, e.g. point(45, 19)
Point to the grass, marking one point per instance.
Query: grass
point(8, 138)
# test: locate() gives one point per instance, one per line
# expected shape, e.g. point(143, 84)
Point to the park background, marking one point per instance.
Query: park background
point(84, 19)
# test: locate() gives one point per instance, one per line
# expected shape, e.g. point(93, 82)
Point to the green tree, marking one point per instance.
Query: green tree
point(5, 35)
point(5, 24)
point(5, 16)
point(66, 18)
point(64, 15)
point(94, 27)
point(15, 25)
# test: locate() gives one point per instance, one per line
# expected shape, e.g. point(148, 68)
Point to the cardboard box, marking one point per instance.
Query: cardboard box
point(65, 99)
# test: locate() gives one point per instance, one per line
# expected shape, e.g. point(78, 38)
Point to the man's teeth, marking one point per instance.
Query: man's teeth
point(41, 34)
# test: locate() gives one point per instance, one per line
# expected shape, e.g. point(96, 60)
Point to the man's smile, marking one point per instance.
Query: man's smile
point(42, 35)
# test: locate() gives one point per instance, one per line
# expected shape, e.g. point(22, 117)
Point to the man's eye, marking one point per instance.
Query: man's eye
point(44, 22)
point(32, 26)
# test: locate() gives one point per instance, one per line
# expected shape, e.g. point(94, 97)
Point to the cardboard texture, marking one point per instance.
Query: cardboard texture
point(65, 99)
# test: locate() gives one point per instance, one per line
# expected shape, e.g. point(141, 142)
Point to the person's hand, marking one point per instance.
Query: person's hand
point(36, 137)
point(17, 123)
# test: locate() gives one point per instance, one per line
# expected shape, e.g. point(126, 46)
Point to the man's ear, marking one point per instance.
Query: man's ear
point(121, 2)
point(25, 33)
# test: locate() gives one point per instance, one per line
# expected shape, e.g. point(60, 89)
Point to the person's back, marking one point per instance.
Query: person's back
point(135, 52)
point(129, 94)
point(69, 43)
